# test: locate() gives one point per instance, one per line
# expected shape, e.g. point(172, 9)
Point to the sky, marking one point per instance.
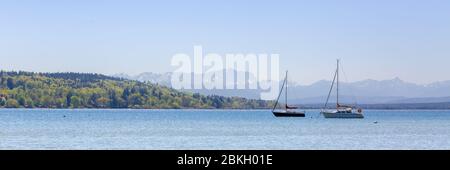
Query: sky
point(375, 39)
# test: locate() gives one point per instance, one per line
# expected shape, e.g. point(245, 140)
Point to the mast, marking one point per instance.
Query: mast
point(279, 95)
point(337, 85)
point(285, 99)
point(331, 90)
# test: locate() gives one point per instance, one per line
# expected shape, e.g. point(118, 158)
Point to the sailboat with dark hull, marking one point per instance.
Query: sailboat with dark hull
point(341, 111)
point(287, 111)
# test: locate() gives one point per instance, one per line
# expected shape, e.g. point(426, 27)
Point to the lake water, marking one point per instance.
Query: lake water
point(219, 129)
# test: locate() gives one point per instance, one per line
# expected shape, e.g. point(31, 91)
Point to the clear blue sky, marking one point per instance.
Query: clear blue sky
point(376, 39)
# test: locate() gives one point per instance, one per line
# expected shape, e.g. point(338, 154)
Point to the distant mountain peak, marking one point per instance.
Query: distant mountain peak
point(396, 80)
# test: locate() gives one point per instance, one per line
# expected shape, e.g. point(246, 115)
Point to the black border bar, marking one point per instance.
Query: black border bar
point(274, 159)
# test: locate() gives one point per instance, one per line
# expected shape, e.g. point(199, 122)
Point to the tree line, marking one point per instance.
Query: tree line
point(86, 90)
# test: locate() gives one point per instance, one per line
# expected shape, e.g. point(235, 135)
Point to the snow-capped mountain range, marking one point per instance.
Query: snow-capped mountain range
point(364, 92)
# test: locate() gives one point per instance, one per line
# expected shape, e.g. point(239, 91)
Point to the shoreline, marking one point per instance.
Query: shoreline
point(191, 109)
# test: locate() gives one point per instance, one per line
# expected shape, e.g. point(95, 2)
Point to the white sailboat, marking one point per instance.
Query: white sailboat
point(288, 111)
point(341, 111)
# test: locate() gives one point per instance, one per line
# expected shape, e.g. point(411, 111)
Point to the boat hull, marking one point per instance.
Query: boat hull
point(288, 114)
point(343, 115)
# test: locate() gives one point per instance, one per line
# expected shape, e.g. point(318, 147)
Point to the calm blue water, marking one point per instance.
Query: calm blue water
point(219, 129)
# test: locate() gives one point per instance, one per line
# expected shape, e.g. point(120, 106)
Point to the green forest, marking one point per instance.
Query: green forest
point(85, 90)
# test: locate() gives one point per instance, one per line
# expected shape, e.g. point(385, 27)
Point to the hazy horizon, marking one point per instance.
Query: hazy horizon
point(300, 83)
point(377, 40)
